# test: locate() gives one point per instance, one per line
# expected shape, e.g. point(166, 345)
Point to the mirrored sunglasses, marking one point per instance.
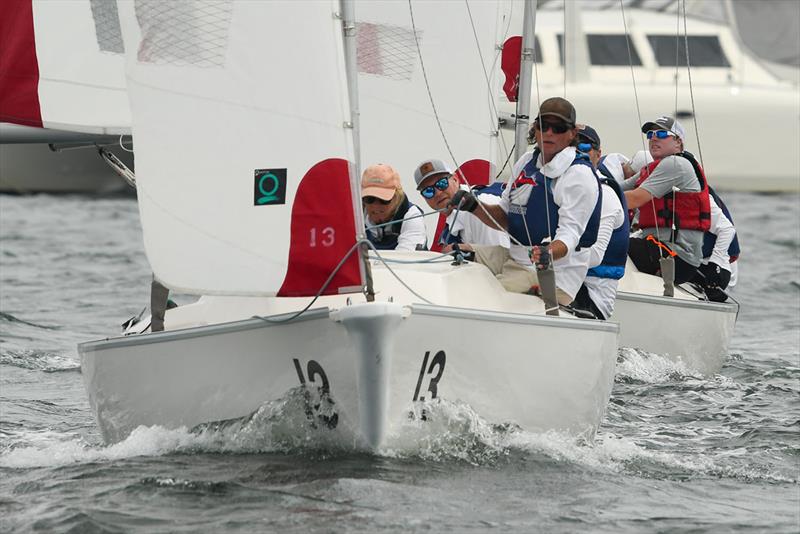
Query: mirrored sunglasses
point(555, 127)
point(441, 184)
point(660, 134)
point(371, 200)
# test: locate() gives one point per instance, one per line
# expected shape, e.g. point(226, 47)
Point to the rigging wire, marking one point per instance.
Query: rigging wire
point(633, 76)
point(438, 121)
point(493, 113)
point(691, 89)
point(427, 84)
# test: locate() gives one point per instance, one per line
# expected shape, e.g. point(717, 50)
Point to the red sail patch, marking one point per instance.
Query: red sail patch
point(322, 231)
point(19, 68)
point(510, 64)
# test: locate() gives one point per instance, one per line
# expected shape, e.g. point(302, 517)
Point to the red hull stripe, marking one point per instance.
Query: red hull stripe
point(19, 69)
point(322, 231)
point(476, 172)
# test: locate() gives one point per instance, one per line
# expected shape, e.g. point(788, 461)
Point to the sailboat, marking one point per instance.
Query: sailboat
point(678, 323)
point(250, 133)
point(62, 97)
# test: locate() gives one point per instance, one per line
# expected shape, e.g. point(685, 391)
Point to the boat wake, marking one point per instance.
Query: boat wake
point(450, 432)
point(39, 360)
point(640, 366)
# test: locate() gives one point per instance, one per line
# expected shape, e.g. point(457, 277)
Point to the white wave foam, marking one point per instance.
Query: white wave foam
point(50, 449)
point(650, 368)
point(39, 360)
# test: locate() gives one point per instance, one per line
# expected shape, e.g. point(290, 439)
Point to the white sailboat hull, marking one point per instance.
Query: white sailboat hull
point(682, 328)
point(541, 373)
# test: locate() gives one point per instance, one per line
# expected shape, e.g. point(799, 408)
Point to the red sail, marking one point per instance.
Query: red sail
point(19, 68)
point(322, 231)
point(510, 63)
point(472, 172)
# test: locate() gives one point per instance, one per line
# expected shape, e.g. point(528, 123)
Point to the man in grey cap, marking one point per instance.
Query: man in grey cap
point(671, 194)
point(437, 184)
point(551, 208)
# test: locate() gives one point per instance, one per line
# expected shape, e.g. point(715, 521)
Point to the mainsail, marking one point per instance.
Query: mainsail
point(417, 60)
point(62, 66)
point(234, 103)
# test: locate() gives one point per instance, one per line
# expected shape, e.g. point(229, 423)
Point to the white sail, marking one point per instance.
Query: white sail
point(224, 93)
point(398, 124)
point(62, 66)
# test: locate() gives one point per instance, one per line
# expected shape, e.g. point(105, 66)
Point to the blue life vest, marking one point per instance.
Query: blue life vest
point(709, 239)
point(391, 232)
point(495, 189)
point(448, 238)
point(542, 209)
point(613, 263)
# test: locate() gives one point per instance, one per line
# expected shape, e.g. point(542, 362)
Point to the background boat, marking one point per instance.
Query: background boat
point(725, 101)
point(62, 84)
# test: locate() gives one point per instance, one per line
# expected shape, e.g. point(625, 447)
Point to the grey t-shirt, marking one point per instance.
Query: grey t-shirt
point(673, 171)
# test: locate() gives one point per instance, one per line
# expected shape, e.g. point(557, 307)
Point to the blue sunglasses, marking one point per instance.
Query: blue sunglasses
point(441, 184)
point(660, 134)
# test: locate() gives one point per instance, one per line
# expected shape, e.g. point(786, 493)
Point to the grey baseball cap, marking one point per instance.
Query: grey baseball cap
point(428, 168)
point(665, 122)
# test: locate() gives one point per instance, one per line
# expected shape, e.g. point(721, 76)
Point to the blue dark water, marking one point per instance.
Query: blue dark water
point(676, 453)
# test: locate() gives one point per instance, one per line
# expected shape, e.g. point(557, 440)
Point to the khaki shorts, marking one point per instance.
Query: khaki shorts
point(514, 277)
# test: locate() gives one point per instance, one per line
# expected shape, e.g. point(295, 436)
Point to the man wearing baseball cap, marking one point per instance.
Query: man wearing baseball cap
point(610, 252)
point(671, 194)
point(392, 222)
point(437, 184)
point(551, 209)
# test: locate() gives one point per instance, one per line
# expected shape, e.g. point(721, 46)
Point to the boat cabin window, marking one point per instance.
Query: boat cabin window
point(704, 51)
point(606, 49)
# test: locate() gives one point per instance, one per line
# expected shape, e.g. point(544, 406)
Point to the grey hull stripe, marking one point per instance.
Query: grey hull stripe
point(197, 331)
point(517, 318)
point(727, 307)
point(324, 313)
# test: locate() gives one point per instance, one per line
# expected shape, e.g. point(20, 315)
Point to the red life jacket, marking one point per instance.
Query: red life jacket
point(692, 209)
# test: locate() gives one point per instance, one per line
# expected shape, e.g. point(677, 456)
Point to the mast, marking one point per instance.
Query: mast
point(351, 69)
point(525, 79)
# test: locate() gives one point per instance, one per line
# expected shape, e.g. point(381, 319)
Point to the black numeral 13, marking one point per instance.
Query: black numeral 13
point(437, 362)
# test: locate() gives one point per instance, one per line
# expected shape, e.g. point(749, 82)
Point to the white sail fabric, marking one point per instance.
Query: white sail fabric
point(81, 73)
point(398, 124)
point(220, 89)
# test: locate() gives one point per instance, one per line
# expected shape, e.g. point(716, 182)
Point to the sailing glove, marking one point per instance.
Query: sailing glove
point(463, 200)
point(715, 276)
point(545, 259)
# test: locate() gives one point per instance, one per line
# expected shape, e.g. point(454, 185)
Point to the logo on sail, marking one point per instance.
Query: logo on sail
point(269, 187)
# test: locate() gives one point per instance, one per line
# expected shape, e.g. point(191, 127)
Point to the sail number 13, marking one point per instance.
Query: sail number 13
point(325, 237)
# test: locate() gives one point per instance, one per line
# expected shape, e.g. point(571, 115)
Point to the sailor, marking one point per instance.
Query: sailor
point(437, 184)
point(392, 222)
point(610, 252)
point(720, 252)
point(554, 196)
point(671, 194)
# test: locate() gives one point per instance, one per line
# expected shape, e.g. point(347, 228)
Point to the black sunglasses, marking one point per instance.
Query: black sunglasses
point(555, 127)
point(371, 200)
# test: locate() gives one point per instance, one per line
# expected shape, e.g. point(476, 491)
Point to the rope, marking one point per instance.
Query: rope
point(423, 214)
point(319, 293)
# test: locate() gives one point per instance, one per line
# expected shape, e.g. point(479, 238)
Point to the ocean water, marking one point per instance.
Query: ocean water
point(676, 452)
